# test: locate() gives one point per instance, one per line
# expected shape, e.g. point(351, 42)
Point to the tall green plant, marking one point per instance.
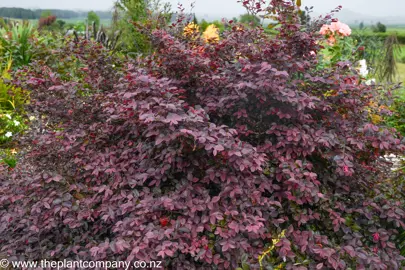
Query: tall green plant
point(15, 43)
point(387, 70)
point(132, 11)
point(153, 13)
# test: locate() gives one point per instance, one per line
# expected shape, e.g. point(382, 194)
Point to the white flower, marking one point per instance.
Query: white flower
point(8, 134)
point(363, 71)
point(8, 116)
point(32, 118)
point(16, 123)
point(113, 66)
point(370, 82)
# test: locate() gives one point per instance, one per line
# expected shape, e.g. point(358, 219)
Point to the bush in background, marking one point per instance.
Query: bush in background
point(397, 119)
point(46, 21)
point(249, 19)
point(93, 17)
point(379, 28)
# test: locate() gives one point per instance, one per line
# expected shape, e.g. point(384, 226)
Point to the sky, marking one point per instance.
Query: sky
point(223, 7)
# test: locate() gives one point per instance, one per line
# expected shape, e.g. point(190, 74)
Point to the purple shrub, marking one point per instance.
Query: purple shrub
point(201, 155)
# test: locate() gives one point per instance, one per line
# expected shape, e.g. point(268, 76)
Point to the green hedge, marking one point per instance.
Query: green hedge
point(400, 35)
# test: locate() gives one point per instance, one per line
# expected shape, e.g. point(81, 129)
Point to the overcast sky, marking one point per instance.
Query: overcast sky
point(224, 7)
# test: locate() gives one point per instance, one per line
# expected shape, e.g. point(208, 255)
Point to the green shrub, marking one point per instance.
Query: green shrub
point(139, 12)
point(397, 119)
point(8, 158)
point(80, 27)
point(400, 35)
point(10, 125)
point(12, 122)
point(12, 98)
point(61, 24)
point(249, 19)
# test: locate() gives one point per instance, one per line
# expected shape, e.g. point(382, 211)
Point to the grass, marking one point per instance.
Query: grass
point(398, 31)
point(401, 72)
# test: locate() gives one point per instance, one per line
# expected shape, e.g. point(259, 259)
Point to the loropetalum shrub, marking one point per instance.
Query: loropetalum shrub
point(201, 155)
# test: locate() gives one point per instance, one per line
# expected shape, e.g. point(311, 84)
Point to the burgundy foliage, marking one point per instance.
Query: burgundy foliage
point(200, 155)
point(46, 21)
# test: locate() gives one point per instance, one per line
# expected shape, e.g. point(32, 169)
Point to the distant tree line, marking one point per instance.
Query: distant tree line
point(28, 14)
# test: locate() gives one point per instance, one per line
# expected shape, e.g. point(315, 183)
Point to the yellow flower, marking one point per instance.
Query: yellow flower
point(375, 119)
point(191, 30)
point(211, 34)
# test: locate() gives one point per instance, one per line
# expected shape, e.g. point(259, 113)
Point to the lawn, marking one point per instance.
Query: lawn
point(401, 72)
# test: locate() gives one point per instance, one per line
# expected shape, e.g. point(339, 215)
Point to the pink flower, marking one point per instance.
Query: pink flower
point(341, 28)
point(376, 236)
point(335, 28)
point(346, 169)
point(331, 40)
point(325, 30)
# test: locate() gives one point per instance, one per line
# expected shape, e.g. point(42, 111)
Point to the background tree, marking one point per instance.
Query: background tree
point(131, 11)
point(93, 17)
point(361, 26)
point(249, 19)
point(380, 28)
